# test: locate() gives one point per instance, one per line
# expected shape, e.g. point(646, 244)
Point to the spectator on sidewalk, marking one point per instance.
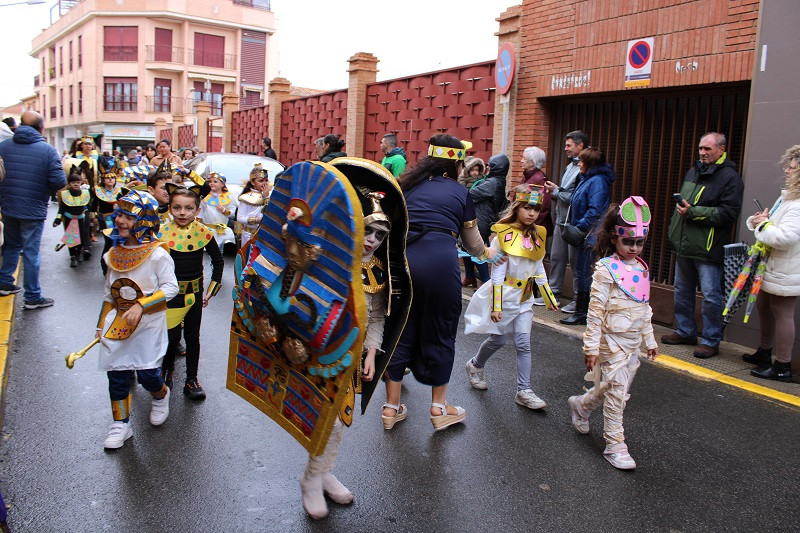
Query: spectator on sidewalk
point(266, 148)
point(164, 149)
point(779, 228)
point(489, 197)
point(560, 252)
point(700, 226)
point(33, 174)
point(533, 160)
point(332, 148)
point(394, 157)
point(474, 169)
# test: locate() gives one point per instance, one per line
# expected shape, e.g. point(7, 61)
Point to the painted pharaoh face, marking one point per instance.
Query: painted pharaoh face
point(300, 254)
point(374, 235)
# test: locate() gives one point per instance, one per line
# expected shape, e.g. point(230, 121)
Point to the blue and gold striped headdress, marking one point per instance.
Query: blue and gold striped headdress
point(144, 207)
point(532, 196)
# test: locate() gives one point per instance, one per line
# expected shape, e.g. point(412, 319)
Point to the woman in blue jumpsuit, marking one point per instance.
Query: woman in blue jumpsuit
point(439, 210)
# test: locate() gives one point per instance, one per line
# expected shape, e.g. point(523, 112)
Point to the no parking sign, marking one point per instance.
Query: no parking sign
point(639, 62)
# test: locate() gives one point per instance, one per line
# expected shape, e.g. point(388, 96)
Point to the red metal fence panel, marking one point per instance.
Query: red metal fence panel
point(306, 119)
point(248, 127)
point(186, 137)
point(164, 134)
point(457, 101)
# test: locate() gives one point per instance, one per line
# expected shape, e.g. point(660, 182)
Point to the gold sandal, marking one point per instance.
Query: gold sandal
point(400, 414)
point(445, 420)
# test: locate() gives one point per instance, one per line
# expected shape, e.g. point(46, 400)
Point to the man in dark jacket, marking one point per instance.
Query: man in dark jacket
point(700, 226)
point(33, 174)
point(489, 197)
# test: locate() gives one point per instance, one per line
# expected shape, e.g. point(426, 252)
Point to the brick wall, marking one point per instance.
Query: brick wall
point(304, 120)
point(588, 40)
point(457, 101)
point(249, 127)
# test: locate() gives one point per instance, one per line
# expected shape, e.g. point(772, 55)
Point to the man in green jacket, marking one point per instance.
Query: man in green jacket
point(394, 158)
point(711, 199)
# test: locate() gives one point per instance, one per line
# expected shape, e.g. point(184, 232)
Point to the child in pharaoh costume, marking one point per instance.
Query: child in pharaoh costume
point(73, 209)
point(251, 202)
point(299, 317)
point(216, 207)
point(617, 323)
point(132, 327)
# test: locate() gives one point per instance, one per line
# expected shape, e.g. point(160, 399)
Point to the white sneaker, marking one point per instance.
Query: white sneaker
point(538, 301)
point(579, 421)
point(159, 410)
point(476, 376)
point(117, 435)
point(619, 457)
point(527, 398)
point(570, 307)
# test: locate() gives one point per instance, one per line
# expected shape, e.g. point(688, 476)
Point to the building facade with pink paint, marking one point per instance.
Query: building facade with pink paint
point(113, 67)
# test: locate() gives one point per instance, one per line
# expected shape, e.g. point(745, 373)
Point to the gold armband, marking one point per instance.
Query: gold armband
point(470, 223)
point(196, 178)
point(497, 298)
point(107, 307)
point(252, 221)
point(485, 255)
point(548, 296)
point(153, 303)
point(213, 289)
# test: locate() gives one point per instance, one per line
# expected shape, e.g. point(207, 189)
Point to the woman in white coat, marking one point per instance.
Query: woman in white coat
point(779, 228)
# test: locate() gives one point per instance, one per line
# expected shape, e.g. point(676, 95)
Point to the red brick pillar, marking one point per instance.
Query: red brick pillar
point(178, 119)
point(509, 22)
point(230, 103)
point(363, 71)
point(202, 114)
point(279, 89)
point(161, 124)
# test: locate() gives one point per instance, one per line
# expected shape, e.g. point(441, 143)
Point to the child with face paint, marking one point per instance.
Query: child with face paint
point(73, 207)
point(618, 321)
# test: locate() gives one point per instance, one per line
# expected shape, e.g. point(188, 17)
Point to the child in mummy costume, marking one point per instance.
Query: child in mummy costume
point(506, 304)
point(618, 322)
point(132, 326)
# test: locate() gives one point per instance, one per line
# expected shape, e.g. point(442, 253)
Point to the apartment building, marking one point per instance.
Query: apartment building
point(112, 67)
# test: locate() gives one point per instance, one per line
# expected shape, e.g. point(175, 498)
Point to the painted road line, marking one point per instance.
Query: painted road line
point(704, 373)
point(7, 307)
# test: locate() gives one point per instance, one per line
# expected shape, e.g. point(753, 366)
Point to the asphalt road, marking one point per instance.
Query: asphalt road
point(710, 457)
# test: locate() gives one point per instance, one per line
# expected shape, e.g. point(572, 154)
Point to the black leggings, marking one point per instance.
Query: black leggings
point(191, 333)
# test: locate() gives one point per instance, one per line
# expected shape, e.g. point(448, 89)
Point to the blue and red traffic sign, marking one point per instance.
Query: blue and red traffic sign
point(639, 54)
point(505, 67)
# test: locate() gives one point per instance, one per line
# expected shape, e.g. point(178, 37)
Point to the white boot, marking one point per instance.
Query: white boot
point(331, 486)
point(311, 488)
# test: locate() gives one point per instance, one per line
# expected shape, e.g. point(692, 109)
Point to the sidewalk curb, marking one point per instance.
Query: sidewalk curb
point(697, 371)
point(7, 311)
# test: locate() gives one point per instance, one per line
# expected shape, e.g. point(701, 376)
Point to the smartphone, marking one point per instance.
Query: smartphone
point(758, 204)
point(678, 198)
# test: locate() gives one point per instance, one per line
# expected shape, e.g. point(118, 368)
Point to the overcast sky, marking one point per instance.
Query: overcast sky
point(316, 38)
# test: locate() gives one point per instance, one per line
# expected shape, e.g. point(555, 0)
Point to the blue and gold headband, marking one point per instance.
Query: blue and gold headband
point(533, 196)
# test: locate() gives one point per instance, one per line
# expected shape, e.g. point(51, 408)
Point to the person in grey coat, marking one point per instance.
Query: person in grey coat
point(560, 252)
point(33, 174)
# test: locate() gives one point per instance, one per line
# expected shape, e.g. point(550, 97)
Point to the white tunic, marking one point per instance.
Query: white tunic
point(146, 346)
point(212, 217)
point(246, 211)
point(517, 315)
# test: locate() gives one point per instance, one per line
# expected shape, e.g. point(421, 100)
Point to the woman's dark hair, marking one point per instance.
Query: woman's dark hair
point(76, 143)
point(183, 191)
point(606, 233)
point(432, 166)
point(335, 144)
point(165, 141)
point(150, 146)
point(267, 142)
point(592, 157)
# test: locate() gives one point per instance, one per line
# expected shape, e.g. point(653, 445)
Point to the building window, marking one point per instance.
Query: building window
point(80, 51)
point(161, 96)
point(209, 50)
point(121, 43)
point(163, 48)
point(61, 103)
point(80, 97)
point(60, 60)
point(70, 100)
point(215, 98)
point(70, 56)
point(120, 94)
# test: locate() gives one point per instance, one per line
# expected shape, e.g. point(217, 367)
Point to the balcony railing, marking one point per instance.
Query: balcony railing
point(168, 54)
point(212, 59)
point(120, 53)
point(120, 103)
point(258, 4)
point(159, 104)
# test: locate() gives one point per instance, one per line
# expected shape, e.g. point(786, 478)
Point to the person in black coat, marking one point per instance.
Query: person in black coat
point(489, 197)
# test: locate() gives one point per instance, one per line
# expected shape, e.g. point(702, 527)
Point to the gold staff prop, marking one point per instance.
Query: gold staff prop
point(74, 356)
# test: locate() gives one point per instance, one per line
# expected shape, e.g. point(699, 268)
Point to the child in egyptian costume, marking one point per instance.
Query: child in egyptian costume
point(216, 207)
point(505, 306)
point(618, 322)
point(73, 209)
point(251, 202)
point(187, 240)
point(300, 316)
point(104, 199)
point(132, 326)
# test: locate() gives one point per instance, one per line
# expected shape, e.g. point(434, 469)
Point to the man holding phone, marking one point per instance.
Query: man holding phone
point(705, 211)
